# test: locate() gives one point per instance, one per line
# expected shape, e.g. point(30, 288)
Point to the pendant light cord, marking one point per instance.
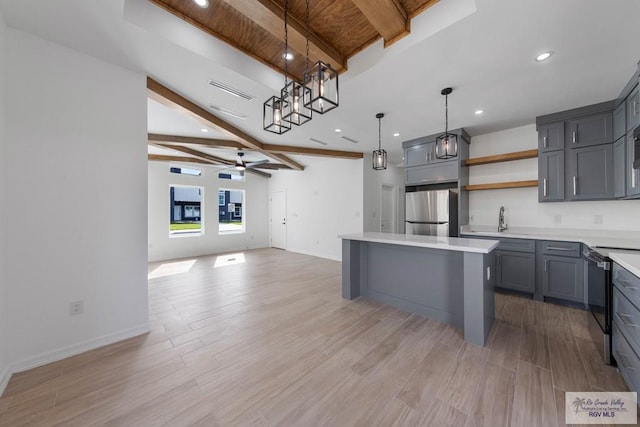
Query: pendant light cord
point(306, 17)
point(446, 114)
point(379, 132)
point(286, 41)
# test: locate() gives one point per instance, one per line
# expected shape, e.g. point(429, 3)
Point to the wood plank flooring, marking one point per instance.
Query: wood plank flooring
point(269, 341)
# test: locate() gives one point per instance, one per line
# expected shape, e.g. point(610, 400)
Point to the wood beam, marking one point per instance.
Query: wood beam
point(210, 142)
point(173, 100)
point(286, 149)
point(387, 17)
point(163, 158)
point(269, 14)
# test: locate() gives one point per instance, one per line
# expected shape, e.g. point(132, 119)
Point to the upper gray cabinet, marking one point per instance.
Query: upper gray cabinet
point(551, 137)
point(421, 154)
point(620, 121)
point(590, 173)
point(577, 164)
point(633, 109)
point(590, 130)
point(632, 175)
point(620, 168)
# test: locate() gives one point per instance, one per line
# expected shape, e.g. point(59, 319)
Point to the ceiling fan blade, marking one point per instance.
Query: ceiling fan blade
point(257, 163)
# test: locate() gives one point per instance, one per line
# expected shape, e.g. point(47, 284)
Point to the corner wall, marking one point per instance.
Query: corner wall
point(4, 320)
point(256, 209)
point(521, 204)
point(77, 159)
point(392, 177)
point(323, 201)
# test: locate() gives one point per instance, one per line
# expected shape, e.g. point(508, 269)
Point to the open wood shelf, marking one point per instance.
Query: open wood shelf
point(506, 157)
point(499, 185)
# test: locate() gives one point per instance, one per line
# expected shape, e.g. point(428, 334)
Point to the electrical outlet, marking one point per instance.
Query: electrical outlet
point(597, 219)
point(557, 219)
point(76, 307)
point(488, 273)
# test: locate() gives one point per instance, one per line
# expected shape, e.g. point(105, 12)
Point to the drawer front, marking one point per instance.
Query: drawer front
point(628, 362)
point(627, 283)
point(517, 245)
point(628, 318)
point(438, 172)
point(571, 249)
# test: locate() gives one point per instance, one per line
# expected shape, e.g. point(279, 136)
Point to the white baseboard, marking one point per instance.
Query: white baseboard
point(74, 349)
point(5, 376)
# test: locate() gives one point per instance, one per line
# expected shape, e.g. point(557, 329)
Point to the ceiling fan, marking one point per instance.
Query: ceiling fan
point(241, 165)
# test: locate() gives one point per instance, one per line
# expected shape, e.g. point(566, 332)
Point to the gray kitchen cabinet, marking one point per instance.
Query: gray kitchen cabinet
point(590, 173)
point(433, 174)
point(633, 109)
point(620, 168)
point(515, 271)
point(632, 175)
point(420, 155)
point(551, 176)
point(590, 130)
point(563, 278)
point(551, 137)
point(620, 121)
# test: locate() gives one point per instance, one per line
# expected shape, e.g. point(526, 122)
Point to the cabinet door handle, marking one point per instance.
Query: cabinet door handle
point(626, 285)
point(635, 112)
point(574, 137)
point(544, 187)
point(623, 317)
point(575, 190)
point(546, 265)
point(544, 141)
point(633, 177)
point(556, 248)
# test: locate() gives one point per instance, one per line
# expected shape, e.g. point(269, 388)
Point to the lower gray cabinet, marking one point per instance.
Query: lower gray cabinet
point(563, 278)
point(516, 271)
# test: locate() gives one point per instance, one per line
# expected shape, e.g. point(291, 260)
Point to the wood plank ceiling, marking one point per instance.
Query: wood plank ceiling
point(338, 29)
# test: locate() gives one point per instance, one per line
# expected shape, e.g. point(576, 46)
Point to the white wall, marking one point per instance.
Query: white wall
point(4, 321)
point(373, 181)
point(323, 201)
point(256, 209)
point(521, 204)
point(77, 198)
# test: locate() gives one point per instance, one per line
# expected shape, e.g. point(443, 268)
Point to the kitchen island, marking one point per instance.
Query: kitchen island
point(443, 278)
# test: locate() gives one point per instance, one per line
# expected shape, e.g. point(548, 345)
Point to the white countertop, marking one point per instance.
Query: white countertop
point(619, 239)
point(433, 242)
point(628, 260)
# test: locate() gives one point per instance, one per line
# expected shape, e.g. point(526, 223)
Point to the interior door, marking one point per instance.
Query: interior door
point(279, 219)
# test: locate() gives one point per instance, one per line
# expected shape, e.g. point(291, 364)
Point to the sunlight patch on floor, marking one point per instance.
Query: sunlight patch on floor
point(229, 259)
point(171, 268)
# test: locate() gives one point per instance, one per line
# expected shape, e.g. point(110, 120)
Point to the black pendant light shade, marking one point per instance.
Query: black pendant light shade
point(321, 81)
point(294, 110)
point(273, 120)
point(447, 143)
point(379, 156)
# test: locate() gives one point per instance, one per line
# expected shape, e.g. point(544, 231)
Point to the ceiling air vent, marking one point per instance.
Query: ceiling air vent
point(231, 90)
point(349, 139)
point(228, 112)
point(318, 141)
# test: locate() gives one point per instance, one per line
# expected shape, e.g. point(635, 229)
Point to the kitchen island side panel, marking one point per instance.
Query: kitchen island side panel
point(424, 281)
point(479, 297)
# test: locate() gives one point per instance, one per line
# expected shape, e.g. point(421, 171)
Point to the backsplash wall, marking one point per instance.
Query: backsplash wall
point(521, 204)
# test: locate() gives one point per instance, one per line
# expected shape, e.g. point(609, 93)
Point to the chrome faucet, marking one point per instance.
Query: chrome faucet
point(501, 225)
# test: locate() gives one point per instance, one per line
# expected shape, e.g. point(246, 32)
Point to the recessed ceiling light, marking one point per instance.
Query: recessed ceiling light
point(204, 130)
point(338, 130)
point(478, 112)
point(543, 56)
point(201, 3)
point(396, 134)
point(288, 56)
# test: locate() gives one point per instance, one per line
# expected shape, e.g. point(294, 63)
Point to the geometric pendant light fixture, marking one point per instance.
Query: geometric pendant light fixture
point(447, 143)
point(379, 156)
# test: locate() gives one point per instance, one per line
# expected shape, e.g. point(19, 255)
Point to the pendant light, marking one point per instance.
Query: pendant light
point(379, 156)
point(447, 143)
point(240, 164)
point(275, 108)
point(321, 81)
point(294, 93)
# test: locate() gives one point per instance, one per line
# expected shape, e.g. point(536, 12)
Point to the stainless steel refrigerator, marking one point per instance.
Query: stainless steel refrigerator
point(432, 212)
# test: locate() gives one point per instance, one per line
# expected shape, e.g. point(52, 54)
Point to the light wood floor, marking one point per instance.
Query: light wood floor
point(270, 342)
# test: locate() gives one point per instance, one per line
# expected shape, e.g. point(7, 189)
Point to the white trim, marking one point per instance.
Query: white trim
point(5, 376)
point(81, 347)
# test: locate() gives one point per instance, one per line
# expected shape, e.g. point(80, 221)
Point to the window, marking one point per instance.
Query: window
point(232, 175)
point(185, 211)
point(185, 171)
point(230, 212)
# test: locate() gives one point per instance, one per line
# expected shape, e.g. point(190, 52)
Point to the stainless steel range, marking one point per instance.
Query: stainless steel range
point(599, 299)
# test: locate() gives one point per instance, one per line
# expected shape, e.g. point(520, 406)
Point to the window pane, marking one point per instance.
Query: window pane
point(185, 171)
point(185, 207)
point(230, 212)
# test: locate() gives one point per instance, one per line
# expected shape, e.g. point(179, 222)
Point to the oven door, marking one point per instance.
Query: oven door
point(599, 294)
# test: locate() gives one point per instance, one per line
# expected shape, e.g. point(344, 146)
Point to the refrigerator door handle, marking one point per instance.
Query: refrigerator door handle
point(428, 222)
